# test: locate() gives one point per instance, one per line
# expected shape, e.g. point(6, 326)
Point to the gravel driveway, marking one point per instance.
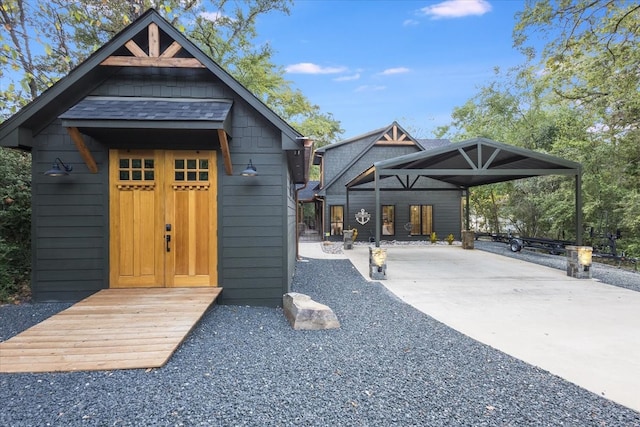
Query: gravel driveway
point(389, 364)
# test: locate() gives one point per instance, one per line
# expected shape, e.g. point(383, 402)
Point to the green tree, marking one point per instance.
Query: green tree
point(577, 98)
point(15, 223)
point(67, 32)
point(589, 65)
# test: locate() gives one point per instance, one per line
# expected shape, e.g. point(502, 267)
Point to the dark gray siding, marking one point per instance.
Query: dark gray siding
point(446, 211)
point(255, 253)
point(444, 198)
point(341, 155)
point(70, 243)
point(290, 239)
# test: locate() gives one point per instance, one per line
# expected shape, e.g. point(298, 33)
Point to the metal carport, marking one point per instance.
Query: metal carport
point(467, 164)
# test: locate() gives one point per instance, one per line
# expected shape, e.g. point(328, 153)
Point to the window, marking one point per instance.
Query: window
point(388, 220)
point(136, 169)
point(421, 220)
point(337, 220)
point(191, 169)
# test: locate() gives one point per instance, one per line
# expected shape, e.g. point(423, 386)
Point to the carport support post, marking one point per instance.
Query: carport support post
point(348, 227)
point(466, 213)
point(378, 208)
point(579, 207)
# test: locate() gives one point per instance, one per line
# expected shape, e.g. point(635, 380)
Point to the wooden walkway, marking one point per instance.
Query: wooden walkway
point(112, 329)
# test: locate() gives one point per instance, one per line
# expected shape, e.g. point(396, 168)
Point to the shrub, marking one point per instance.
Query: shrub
point(15, 223)
point(434, 237)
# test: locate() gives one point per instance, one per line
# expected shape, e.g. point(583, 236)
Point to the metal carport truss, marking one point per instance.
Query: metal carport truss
point(467, 164)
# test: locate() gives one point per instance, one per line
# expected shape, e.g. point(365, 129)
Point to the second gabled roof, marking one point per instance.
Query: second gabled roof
point(391, 135)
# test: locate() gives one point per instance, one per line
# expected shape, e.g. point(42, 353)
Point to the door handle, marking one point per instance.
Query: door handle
point(167, 238)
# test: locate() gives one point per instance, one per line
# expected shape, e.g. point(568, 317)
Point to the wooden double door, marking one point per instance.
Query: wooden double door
point(163, 218)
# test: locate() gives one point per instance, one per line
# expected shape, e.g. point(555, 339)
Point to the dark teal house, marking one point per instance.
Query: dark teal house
point(410, 209)
point(153, 167)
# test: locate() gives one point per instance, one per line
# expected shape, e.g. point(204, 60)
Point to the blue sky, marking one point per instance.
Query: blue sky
point(372, 62)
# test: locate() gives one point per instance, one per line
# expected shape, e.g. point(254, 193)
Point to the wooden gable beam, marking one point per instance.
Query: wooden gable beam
point(394, 137)
point(154, 40)
point(77, 138)
point(135, 49)
point(226, 154)
point(171, 51)
point(132, 61)
point(154, 58)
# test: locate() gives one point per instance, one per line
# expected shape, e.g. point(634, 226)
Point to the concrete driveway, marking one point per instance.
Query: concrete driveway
point(581, 330)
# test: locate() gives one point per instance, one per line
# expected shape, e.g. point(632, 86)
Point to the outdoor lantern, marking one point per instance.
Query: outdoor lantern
point(55, 168)
point(250, 170)
point(377, 263)
point(584, 256)
point(379, 257)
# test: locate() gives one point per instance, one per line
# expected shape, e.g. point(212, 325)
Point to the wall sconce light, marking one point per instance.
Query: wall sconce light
point(55, 168)
point(250, 170)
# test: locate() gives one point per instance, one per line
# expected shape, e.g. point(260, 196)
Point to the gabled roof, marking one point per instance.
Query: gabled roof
point(373, 133)
point(104, 62)
point(391, 135)
point(470, 163)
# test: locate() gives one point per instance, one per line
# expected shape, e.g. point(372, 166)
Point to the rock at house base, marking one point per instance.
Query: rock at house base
point(303, 313)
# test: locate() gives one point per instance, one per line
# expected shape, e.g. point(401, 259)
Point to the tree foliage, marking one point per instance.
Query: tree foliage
point(64, 33)
point(15, 222)
point(577, 98)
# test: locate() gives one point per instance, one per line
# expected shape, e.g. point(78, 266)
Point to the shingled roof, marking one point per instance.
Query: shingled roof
point(130, 108)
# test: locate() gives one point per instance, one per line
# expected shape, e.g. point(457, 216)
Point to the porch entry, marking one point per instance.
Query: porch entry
point(163, 218)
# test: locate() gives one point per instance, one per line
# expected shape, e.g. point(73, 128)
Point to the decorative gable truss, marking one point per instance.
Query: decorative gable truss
point(151, 57)
point(395, 136)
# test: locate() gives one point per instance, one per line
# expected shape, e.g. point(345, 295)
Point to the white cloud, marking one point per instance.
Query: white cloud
point(310, 68)
point(369, 88)
point(457, 9)
point(409, 22)
point(397, 70)
point(211, 16)
point(347, 78)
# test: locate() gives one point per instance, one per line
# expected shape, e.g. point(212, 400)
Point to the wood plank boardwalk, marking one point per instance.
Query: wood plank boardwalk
point(112, 329)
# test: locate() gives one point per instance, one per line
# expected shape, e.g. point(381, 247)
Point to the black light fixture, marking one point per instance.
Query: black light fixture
point(55, 168)
point(250, 170)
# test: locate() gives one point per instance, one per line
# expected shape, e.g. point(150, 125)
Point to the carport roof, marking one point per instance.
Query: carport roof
point(470, 163)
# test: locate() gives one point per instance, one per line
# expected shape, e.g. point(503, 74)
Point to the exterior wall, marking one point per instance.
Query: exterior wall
point(70, 230)
point(253, 212)
point(444, 198)
point(446, 212)
point(290, 238)
point(256, 256)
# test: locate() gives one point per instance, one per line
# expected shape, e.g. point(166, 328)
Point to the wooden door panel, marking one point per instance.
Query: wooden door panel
point(136, 242)
point(148, 190)
point(191, 196)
